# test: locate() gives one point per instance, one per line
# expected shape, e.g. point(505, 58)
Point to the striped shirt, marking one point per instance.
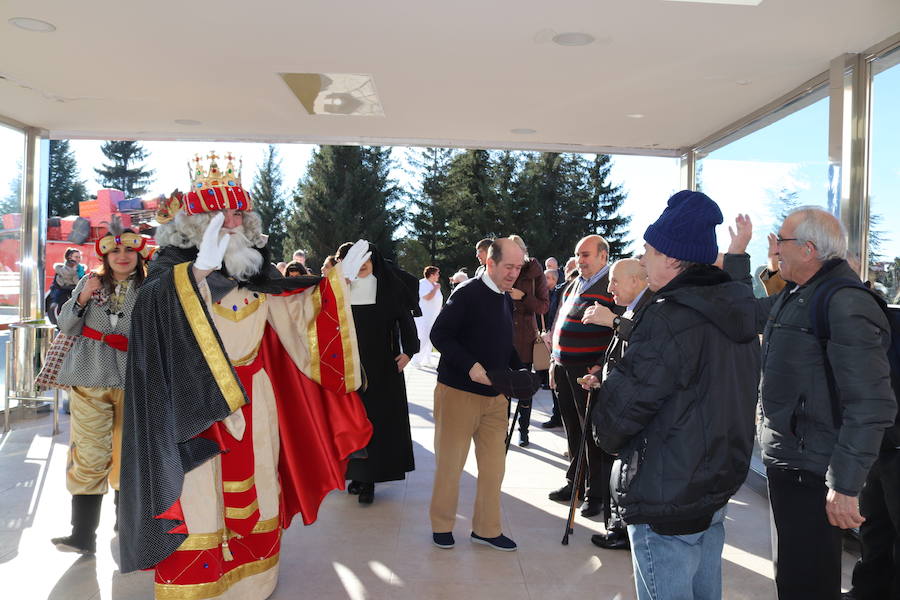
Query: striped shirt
point(576, 343)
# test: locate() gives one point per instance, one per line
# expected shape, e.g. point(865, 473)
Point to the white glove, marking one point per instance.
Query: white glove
point(355, 259)
point(212, 249)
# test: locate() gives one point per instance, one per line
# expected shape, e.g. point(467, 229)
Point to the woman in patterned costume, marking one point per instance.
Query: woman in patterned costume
point(99, 314)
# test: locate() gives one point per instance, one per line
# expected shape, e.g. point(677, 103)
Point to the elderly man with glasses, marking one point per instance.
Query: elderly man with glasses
point(825, 402)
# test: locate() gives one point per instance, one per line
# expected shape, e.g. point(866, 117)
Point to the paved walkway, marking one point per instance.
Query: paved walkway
point(378, 551)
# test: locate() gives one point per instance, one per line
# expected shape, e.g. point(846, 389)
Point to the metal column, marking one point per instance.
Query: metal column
point(848, 153)
point(34, 223)
point(689, 170)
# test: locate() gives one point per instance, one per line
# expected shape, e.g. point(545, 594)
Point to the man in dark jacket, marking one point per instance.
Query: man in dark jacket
point(818, 448)
point(678, 408)
point(474, 334)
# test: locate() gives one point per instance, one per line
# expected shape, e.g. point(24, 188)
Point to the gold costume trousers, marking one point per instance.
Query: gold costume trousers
point(95, 442)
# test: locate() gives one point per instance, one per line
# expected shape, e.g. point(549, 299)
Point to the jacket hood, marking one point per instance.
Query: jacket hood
point(709, 291)
point(530, 270)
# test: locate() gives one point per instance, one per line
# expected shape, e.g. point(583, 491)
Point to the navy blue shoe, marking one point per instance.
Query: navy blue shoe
point(501, 542)
point(443, 540)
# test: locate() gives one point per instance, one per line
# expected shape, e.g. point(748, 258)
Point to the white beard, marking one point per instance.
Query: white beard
point(241, 259)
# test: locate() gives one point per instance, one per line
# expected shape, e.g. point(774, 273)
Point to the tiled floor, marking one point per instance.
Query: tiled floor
point(378, 551)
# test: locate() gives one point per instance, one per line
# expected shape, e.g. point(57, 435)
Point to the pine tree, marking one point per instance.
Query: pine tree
point(606, 201)
point(268, 201)
point(124, 172)
point(507, 167)
point(554, 197)
point(428, 219)
point(66, 189)
point(782, 203)
point(12, 202)
point(346, 195)
point(473, 211)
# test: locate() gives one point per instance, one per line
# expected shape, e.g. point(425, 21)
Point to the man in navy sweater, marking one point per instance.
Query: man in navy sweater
point(473, 333)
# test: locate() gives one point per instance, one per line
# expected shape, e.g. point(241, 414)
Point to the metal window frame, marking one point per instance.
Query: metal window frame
point(848, 84)
point(33, 225)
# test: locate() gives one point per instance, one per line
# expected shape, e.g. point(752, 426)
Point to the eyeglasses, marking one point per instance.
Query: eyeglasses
point(781, 240)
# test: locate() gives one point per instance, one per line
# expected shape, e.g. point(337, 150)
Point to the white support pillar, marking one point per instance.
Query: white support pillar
point(34, 223)
point(848, 152)
point(689, 170)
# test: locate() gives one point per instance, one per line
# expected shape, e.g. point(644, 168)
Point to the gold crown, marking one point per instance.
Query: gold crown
point(213, 189)
point(212, 176)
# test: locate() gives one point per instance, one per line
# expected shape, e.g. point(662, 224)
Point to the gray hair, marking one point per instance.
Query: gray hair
point(186, 231)
point(823, 229)
point(520, 243)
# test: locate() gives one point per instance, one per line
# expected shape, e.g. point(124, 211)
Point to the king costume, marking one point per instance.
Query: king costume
point(240, 407)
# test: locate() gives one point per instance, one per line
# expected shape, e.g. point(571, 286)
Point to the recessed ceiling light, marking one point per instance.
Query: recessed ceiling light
point(635, 116)
point(188, 122)
point(743, 82)
point(523, 131)
point(573, 38)
point(32, 24)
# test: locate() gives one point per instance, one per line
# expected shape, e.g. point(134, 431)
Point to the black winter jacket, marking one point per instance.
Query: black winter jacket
point(678, 409)
point(797, 428)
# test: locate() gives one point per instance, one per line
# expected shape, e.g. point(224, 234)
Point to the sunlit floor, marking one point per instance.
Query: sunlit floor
point(378, 551)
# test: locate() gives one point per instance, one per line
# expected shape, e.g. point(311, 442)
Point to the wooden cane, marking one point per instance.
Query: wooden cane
point(579, 466)
point(513, 426)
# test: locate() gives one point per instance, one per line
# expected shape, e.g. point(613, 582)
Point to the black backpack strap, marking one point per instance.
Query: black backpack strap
point(818, 312)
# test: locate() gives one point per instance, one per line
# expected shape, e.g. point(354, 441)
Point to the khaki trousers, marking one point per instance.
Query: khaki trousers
point(95, 442)
point(459, 418)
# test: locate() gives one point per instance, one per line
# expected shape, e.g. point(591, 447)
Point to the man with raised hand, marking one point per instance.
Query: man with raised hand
point(678, 408)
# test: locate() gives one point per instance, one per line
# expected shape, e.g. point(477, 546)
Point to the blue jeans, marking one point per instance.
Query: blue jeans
point(678, 567)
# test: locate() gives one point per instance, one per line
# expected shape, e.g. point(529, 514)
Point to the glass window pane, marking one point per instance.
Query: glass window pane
point(769, 172)
point(884, 178)
point(12, 158)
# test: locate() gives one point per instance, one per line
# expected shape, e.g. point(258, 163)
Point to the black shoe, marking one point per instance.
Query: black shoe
point(366, 493)
point(501, 542)
point(551, 424)
point(615, 539)
point(85, 519)
point(523, 439)
point(71, 544)
point(592, 508)
point(353, 487)
point(563, 494)
point(443, 540)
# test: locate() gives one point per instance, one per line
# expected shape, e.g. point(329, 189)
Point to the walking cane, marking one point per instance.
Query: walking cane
point(514, 419)
point(579, 466)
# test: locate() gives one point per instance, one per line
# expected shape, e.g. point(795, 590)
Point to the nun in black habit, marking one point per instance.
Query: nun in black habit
point(384, 304)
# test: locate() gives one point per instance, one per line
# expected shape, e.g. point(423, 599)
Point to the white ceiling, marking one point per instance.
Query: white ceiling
point(461, 73)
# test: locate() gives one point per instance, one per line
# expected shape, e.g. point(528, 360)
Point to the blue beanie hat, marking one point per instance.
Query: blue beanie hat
point(687, 228)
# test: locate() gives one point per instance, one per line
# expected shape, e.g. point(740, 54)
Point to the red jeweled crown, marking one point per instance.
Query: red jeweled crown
point(213, 189)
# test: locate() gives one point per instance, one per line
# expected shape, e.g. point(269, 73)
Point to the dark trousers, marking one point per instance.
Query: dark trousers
point(525, 410)
point(571, 408)
point(876, 575)
point(555, 416)
point(806, 548)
